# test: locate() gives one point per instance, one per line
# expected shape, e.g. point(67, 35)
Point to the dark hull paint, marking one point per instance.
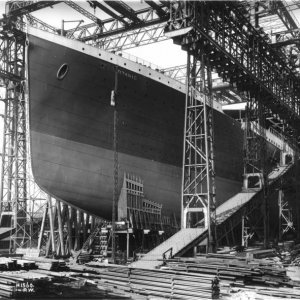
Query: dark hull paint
point(71, 125)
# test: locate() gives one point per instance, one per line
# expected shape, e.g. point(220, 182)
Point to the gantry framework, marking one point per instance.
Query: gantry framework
point(240, 52)
point(242, 55)
point(13, 191)
point(198, 174)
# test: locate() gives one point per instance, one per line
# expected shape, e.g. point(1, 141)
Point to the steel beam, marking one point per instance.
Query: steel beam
point(159, 11)
point(84, 12)
point(284, 14)
point(97, 4)
point(20, 8)
point(124, 9)
point(111, 27)
point(128, 40)
point(241, 55)
point(254, 136)
point(37, 23)
point(198, 178)
point(285, 215)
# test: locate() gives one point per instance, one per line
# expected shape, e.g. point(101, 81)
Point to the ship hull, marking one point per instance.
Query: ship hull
point(71, 128)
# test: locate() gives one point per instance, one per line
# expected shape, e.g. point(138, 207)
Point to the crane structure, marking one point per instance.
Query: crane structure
point(217, 36)
point(13, 191)
point(240, 54)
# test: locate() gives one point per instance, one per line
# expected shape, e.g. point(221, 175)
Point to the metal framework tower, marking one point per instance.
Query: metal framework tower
point(247, 234)
point(13, 192)
point(285, 215)
point(21, 201)
point(254, 137)
point(198, 188)
point(198, 178)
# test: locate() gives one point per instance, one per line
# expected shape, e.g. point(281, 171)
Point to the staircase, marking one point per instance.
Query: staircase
point(180, 242)
point(87, 244)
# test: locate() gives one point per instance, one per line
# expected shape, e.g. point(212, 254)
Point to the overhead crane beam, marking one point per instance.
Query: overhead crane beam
point(124, 10)
point(291, 35)
point(284, 15)
point(113, 27)
point(96, 4)
point(83, 12)
point(287, 42)
point(19, 8)
point(134, 38)
point(35, 22)
point(165, 3)
point(115, 33)
point(160, 12)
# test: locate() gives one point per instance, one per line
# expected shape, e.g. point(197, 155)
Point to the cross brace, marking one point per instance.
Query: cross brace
point(240, 54)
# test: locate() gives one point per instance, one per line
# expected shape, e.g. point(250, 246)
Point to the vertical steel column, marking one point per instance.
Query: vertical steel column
point(198, 188)
point(7, 158)
point(22, 218)
point(285, 215)
point(60, 228)
point(41, 234)
point(198, 183)
point(14, 160)
point(254, 142)
point(246, 232)
point(280, 207)
point(211, 183)
point(255, 151)
point(52, 213)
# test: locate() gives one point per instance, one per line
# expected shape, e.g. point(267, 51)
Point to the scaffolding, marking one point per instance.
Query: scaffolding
point(65, 229)
point(13, 192)
point(135, 209)
point(198, 177)
point(286, 223)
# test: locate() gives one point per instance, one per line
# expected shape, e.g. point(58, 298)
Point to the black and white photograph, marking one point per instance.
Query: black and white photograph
point(149, 149)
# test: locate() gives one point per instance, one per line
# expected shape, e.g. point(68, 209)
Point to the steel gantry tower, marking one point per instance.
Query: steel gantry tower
point(242, 56)
point(198, 178)
point(13, 191)
point(17, 198)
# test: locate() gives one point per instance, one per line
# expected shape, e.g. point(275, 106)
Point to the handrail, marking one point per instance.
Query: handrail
point(171, 253)
point(139, 60)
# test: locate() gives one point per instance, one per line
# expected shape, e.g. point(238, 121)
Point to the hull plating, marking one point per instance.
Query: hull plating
point(71, 123)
